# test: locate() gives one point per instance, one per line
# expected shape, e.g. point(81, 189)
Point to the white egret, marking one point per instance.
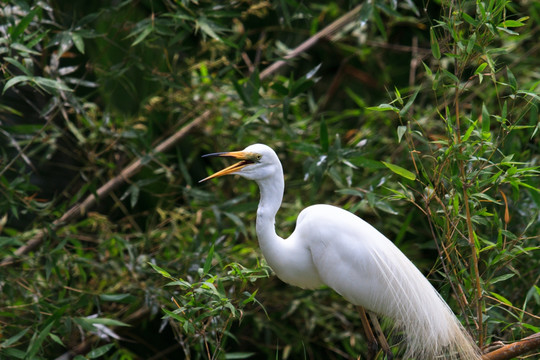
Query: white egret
point(334, 247)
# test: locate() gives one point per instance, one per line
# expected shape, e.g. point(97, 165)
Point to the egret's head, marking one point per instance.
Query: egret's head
point(257, 162)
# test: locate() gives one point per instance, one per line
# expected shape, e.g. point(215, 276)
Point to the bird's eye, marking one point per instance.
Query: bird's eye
point(258, 157)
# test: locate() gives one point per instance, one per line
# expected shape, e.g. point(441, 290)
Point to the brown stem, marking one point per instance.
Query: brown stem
point(470, 229)
point(513, 350)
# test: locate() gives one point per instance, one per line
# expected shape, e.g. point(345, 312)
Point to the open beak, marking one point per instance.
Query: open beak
point(246, 158)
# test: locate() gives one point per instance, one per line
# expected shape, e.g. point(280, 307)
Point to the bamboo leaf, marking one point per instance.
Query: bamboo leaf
point(100, 351)
point(36, 342)
point(400, 171)
point(208, 262)
point(324, 136)
point(435, 50)
point(409, 103)
point(501, 298)
point(469, 131)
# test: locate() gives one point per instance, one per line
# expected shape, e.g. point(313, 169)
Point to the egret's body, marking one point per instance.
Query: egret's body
point(331, 246)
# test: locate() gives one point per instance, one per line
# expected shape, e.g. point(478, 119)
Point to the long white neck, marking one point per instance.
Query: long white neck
point(271, 189)
point(290, 260)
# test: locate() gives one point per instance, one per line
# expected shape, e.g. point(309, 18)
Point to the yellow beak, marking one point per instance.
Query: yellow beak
point(246, 158)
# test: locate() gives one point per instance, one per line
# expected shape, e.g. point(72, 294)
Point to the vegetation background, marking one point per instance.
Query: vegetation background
point(419, 116)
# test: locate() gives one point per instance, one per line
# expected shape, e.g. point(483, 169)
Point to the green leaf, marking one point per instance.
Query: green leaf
point(161, 271)
point(404, 110)
point(239, 355)
point(511, 23)
point(35, 343)
point(174, 315)
point(428, 70)
point(50, 84)
point(506, 30)
point(324, 136)
point(471, 43)
point(142, 35)
point(435, 50)
point(501, 298)
point(206, 28)
point(384, 107)
point(402, 129)
point(56, 339)
point(511, 79)
point(104, 321)
point(451, 76)
point(469, 19)
point(400, 171)
point(15, 80)
point(115, 297)
point(480, 68)
point(485, 121)
point(12, 340)
point(100, 351)
point(18, 65)
point(469, 131)
point(208, 262)
point(501, 278)
point(135, 191)
point(16, 31)
point(78, 42)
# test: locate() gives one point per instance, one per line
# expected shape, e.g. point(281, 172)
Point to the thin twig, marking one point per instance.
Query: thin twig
point(370, 337)
point(81, 208)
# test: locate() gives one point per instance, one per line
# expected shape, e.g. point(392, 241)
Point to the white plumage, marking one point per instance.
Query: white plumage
point(334, 247)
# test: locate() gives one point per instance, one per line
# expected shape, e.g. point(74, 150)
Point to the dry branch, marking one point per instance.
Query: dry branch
point(510, 351)
point(81, 208)
point(324, 33)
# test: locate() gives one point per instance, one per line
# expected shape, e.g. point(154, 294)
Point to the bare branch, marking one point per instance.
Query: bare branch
point(510, 351)
point(324, 33)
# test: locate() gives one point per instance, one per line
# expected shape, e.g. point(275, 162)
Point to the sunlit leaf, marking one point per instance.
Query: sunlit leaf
point(400, 171)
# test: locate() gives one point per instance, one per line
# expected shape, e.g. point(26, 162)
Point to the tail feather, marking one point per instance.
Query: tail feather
point(430, 328)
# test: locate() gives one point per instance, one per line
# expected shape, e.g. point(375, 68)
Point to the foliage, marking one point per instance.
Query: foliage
point(420, 117)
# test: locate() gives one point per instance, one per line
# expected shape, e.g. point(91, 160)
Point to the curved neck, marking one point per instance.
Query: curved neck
point(271, 189)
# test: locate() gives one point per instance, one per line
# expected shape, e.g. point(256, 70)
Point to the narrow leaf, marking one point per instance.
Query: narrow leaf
point(511, 79)
point(147, 30)
point(208, 262)
point(36, 342)
point(12, 340)
point(400, 171)
point(469, 19)
point(400, 131)
point(324, 136)
point(485, 120)
point(15, 80)
point(511, 23)
point(470, 45)
point(161, 271)
point(23, 24)
point(78, 41)
point(480, 68)
point(409, 103)
point(100, 351)
point(469, 131)
point(384, 107)
point(502, 299)
point(434, 44)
